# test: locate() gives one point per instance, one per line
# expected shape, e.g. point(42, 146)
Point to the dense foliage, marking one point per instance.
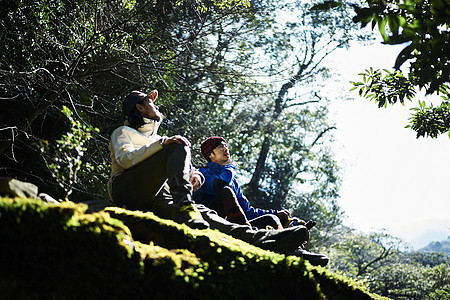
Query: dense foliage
point(423, 27)
point(249, 71)
point(386, 266)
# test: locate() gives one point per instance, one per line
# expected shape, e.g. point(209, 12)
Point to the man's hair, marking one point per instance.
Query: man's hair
point(129, 109)
point(135, 119)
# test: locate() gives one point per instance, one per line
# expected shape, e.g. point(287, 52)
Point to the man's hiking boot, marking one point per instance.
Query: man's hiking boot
point(282, 241)
point(184, 209)
point(188, 214)
point(315, 259)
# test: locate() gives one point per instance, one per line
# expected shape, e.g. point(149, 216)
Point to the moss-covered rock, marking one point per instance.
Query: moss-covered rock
point(50, 251)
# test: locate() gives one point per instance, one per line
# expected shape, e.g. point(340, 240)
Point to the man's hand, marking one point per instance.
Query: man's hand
point(177, 139)
point(196, 183)
point(283, 214)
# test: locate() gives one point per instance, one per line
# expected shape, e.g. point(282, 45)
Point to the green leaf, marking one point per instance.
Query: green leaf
point(393, 23)
point(382, 29)
point(363, 15)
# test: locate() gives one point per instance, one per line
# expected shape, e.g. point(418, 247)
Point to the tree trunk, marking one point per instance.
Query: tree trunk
point(280, 103)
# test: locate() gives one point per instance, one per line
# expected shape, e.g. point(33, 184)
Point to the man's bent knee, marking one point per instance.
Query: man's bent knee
point(178, 149)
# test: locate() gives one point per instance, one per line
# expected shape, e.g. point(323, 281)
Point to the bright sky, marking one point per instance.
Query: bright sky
point(391, 179)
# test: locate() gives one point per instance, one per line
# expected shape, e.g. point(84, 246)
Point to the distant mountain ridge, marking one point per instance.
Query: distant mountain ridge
point(442, 246)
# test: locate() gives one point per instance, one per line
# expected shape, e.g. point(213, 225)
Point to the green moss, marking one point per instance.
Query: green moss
point(340, 287)
point(60, 251)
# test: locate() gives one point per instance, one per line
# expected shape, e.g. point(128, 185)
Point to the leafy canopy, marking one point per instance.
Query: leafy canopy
point(423, 27)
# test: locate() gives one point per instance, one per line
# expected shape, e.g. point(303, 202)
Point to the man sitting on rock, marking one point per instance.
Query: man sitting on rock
point(222, 193)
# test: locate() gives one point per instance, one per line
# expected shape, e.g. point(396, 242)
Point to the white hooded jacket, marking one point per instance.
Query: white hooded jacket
point(128, 147)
